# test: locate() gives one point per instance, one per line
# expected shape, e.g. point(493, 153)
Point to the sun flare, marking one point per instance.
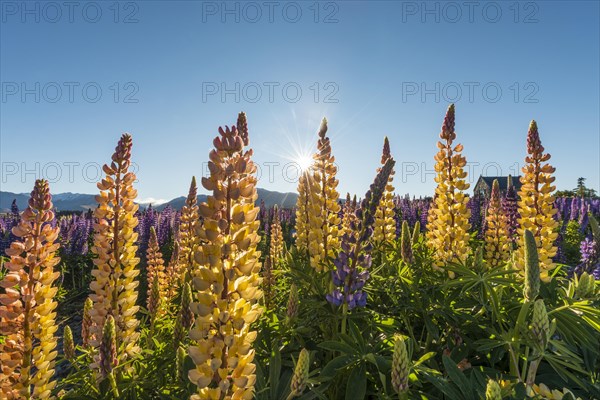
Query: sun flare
point(304, 161)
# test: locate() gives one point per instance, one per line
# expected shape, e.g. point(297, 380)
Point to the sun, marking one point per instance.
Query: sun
point(304, 161)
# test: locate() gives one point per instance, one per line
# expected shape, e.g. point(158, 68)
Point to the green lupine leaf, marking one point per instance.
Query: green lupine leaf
point(357, 383)
point(334, 365)
point(457, 377)
point(341, 347)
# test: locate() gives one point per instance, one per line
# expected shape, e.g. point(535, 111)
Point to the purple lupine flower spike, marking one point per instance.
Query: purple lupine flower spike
point(353, 260)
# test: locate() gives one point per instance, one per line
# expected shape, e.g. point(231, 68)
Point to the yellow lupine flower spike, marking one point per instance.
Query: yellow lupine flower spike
point(348, 215)
point(173, 272)
point(276, 244)
point(536, 204)
point(448, 219)
point(302, 226)
point(114, 288)
point(323, 217)
point(385, 225)
point(226, 273)
point(187, 232)
point(155, 273)
point(27, 306)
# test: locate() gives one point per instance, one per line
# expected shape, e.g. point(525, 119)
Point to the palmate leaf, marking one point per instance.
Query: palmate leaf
point(482, 286)
point(314, 393)
point(595, 227)
point(578, 324)
point(565, 362)
point(357, 383)
point(341, 347)
point(447, 388)
point(382, 364)
point(333, 366)
point(274, 371)
point(357, 337)
point(562, 368)
point(485, 345)
point(458, 378)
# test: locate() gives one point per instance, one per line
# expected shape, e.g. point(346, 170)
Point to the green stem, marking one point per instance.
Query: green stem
point(344, 317)
point(113, 385)
point(514, 367)
point(524, 369)
point(291, 396)
point(532, 372)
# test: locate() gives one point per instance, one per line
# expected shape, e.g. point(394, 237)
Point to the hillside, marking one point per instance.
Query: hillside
point(82, 202)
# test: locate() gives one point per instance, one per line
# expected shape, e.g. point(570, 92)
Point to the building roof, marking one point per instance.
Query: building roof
point(502, 181)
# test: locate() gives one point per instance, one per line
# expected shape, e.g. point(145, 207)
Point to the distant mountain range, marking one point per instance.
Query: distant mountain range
point(83, 202)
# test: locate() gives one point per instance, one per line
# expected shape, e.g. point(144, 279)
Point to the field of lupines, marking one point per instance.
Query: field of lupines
point(375, 297)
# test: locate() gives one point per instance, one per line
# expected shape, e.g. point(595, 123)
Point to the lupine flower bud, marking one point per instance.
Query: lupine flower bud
point(448, 125)
point(478, 262)
point(400, 366)
point(493, 391)
point(108, 347)
point(242, 127)
point(68, 344)
point(406, 244)
point(540, 325)
point(180, 363)
point(536, 204)
point(86, 323)
point(416, 232)
point(268, 282)
point(292, 305)
point(185, 317)
point(173, 272)
point(585, 286)
point(154, 299)
point(300, 377)
point(532, 268)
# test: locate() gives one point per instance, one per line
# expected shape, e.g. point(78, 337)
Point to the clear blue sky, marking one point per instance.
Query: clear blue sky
point(381, 68)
